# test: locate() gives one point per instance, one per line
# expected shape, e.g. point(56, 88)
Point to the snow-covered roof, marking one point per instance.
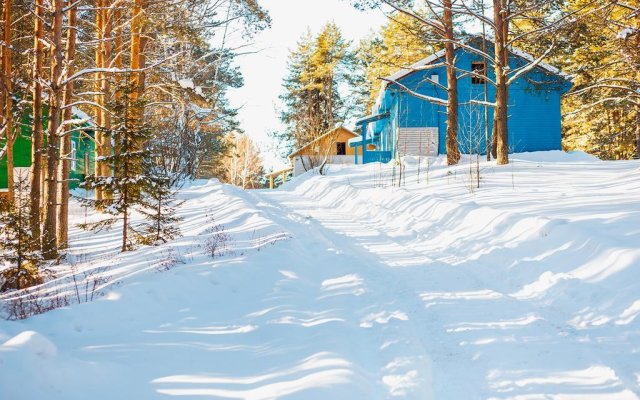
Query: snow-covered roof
point(83, 115)
point(428, 60)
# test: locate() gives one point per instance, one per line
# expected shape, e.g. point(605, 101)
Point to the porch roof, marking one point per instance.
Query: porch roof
point(372, 118)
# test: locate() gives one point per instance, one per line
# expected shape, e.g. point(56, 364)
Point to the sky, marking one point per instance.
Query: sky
point(265, 69)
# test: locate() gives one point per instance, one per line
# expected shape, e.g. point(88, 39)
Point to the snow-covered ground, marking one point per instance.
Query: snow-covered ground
point(344, 287)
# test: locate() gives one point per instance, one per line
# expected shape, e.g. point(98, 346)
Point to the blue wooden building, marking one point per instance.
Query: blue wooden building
point(403, 124)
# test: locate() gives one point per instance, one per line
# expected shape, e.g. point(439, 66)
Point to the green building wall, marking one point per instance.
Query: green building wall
point(81, 140)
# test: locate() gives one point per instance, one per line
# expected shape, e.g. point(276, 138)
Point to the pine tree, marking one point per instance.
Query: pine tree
point(601, 52)
point(124, 191)
point(400, 43)
point(19, 248)
point(159, 206)
point(313, 100)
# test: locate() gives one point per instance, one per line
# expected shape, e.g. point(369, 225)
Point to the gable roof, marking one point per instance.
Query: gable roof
point(440, 54)
point(324, 135)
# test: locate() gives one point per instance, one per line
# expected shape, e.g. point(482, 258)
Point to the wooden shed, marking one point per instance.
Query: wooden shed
point(334, 144)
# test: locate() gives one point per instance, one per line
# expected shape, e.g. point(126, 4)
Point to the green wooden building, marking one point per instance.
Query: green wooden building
point(82, 151)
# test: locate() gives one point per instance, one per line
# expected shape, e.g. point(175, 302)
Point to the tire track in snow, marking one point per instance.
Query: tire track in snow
point(385, 310)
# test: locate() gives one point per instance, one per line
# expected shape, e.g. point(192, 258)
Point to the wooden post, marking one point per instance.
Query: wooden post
point(270, 181)
point(284, 176)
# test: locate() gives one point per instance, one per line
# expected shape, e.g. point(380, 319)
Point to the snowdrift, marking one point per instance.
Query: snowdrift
point(350, 287)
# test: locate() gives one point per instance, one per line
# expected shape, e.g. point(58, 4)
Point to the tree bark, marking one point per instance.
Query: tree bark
point(98, 99)
point(105, 89)
point(65, 151)
point(8, 99)
point(500, 130)
point(36, 135)
point(2, 79)
point(137, 60)
point(453, 149)
point(638, 130)
point(494, 138)
point(49, 244)
point(135, 53)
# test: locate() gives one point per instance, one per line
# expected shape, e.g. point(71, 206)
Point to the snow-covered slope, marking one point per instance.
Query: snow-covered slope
point(345, 287)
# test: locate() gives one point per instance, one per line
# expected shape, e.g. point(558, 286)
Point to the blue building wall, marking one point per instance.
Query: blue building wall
point(534, 108)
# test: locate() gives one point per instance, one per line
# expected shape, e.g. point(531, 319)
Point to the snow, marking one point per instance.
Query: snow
point(343, 286)
point(188, 84)
point(626, 33)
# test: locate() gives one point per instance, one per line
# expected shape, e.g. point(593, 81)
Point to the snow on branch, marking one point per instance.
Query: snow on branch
point(601, 101)
point(626, 33)
point(430, 99)
point(117, 70)
point(482, 103)
point(521, 71)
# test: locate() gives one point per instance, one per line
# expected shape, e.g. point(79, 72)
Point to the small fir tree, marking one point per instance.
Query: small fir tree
point(20, 257)
point(159, 210)
point(125, 189)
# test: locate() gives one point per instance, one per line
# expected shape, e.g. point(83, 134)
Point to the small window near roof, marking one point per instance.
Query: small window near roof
point(341, 148)
point(477, 67)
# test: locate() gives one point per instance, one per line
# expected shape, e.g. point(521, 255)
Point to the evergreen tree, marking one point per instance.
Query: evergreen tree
point(19, 249)
point(125, 190)
point(400, 43)
point(601, 52)
point(159, 207)
point(320, 70)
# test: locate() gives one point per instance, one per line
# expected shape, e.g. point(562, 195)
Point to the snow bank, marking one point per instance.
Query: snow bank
point(346, 286)
point(30, 343)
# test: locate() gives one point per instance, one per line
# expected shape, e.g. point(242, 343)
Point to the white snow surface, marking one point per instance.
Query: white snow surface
point(344, 287)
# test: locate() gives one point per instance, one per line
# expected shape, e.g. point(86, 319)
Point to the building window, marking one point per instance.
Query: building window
point(341, 148)
point(74, 155)
point(478, 67)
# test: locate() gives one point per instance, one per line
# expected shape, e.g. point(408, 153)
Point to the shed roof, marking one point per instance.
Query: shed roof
point(324, 135)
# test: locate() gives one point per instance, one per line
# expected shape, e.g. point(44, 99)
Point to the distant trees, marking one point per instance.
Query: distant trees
point(400, 43)
point(316, 89)
point(244, 163)
point(602, 52)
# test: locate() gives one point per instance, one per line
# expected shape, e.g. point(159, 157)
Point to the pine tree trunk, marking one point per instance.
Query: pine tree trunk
point(106, 48)
point(453, 148)
point(494, 138)
point(137, 60)
point(136, 30)
point(118, 50)
point(2, 81)
point(98, 99)
point(49, 245)
point(65, 151)
point(501, 133)
point(36, 135)
point(8, 99)
point(638, 130)
point(125, 223)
